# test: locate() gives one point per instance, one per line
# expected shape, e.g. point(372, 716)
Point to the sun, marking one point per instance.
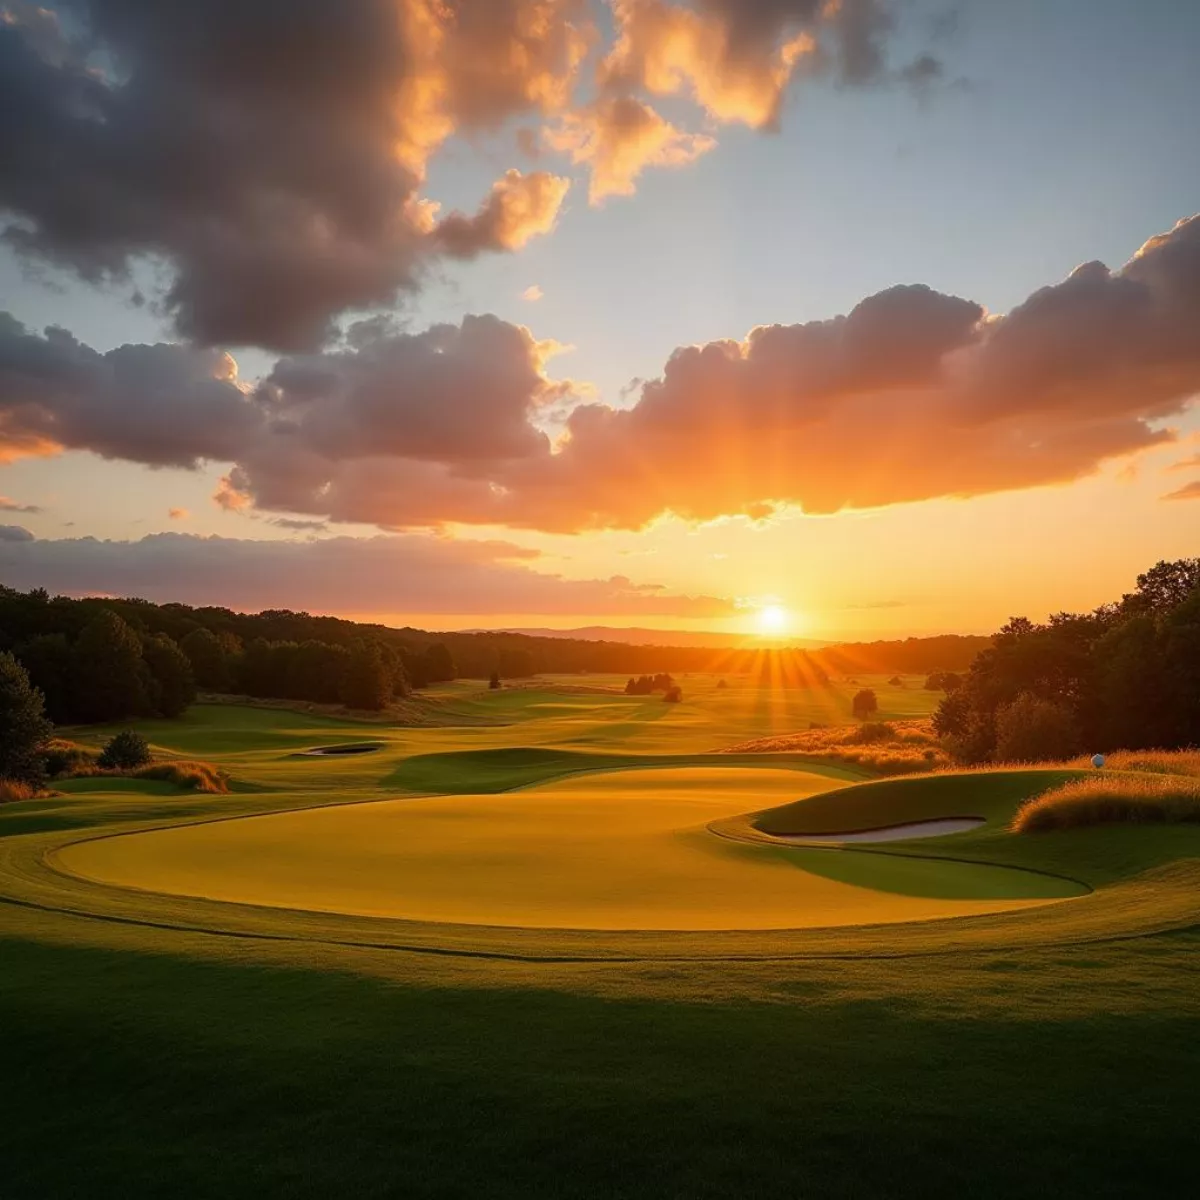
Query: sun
point(773, 619)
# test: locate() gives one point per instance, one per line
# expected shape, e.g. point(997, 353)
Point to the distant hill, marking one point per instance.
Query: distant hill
point(659, 637)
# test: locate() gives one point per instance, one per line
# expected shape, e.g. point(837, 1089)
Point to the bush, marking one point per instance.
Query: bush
point(125, 751)
point(494, 681)
point(872, 731)
point(864, 704)
point(895, 681)
point(1111, 799)
point(1031, 729)
point(673, 694)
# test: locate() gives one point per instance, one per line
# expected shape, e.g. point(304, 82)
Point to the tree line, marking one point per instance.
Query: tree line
point(1124, 676)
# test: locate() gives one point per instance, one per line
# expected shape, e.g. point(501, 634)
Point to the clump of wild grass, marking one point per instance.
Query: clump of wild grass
point(1165, 799)
point(887, 748)
point(185, 773)
point(1156, 762)
point(70, 760)
point(12, 790)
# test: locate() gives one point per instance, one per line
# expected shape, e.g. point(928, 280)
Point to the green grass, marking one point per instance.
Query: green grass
point(161, 1046)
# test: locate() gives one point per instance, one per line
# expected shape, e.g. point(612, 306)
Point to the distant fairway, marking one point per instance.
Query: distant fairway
point(619, 850)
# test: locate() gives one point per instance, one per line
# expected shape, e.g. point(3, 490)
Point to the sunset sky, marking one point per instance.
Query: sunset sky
point(554, 313)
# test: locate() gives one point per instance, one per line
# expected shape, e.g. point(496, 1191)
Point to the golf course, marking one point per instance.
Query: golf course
point(558, 944)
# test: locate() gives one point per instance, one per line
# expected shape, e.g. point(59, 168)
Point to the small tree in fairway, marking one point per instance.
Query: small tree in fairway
point(865, 704)
point(24, 728)
point(494, 681)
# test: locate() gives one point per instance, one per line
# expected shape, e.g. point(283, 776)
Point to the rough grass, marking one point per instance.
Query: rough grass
point(13, 791)
point(885, 748)
point(1110, 800)
point(184, 773)
point(69, 760)
point(1157, 762)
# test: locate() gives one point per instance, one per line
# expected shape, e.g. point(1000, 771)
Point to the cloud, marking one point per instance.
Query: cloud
point(910, 396)
point(1189, 491)
point(380, 575)
point(178, 514)
point(533, 293)
point(271, 154)
point(736, 59)
point(1184, 464)
point(620, 137)
point(14, 534)
point(520, 207)
point(299, 526)
point(7, 505)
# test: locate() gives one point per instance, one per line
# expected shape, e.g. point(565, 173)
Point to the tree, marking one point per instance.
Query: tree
point(494, 681)
point(366, 683)
point(439, 663)
point(209, 661)
point(864, 704)
point(1164, 587)
point(110, 678)
point(1031, 729)
point(673, 694)
point(172, 686)
point(721, 683)
point(48, 660)
point(125, 751)
point(895, 681)
point(24, 729)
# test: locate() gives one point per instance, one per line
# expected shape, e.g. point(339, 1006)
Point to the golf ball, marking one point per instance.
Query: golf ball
point(1097, 760)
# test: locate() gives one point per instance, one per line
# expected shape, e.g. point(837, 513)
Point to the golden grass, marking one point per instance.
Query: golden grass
point(1157, 762)
point(1109, 800)
point(12, 790)
point(887, 748)
point(186, 773)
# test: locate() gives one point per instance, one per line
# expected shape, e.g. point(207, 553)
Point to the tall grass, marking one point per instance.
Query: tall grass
point(1111, 799)
point(1157, 762)
point(12, 790)
point(887, 748)
point(70, 760)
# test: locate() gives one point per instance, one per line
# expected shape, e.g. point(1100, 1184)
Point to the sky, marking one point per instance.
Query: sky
point(882, 313)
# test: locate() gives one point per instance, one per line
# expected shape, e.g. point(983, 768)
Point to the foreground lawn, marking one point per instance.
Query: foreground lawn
point(163, 1046)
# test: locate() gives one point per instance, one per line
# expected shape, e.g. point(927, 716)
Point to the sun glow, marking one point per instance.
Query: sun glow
point(773, 619)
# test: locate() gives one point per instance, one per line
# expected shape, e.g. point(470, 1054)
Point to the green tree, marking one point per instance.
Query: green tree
point(172, 685)
point(1032, 729)
point(24, 729)
point(367, 681)
point(110, 678)
point(48, 660)
point(439, 663)
point(210, 663)
point(865, 704)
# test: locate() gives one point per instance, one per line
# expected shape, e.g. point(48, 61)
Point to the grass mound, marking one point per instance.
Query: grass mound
point(69, 760)
point(885, 747)
point(1110, 800)
point(183, 773)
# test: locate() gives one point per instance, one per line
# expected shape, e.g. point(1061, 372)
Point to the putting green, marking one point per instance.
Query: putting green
point(619, 850)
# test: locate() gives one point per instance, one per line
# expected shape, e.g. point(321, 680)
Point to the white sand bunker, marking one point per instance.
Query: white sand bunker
point(363, 748)
point(937, 827)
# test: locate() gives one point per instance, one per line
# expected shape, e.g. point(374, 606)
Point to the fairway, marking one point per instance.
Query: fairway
point(615, 850)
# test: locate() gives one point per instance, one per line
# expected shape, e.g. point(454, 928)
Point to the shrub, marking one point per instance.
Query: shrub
point(673, 694)
point(872, 731)
point(494, 681)
point(895, 681)
point(12, 790)
point(125, 751)
point(1111, 799)
point(864, 704)
point(1031, 729)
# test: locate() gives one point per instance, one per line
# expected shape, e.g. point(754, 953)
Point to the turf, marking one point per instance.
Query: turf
point(161, 1046)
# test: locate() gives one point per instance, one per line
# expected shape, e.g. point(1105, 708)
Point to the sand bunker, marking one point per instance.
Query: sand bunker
point(618, 850)
point(938, 827)
point(364, 748)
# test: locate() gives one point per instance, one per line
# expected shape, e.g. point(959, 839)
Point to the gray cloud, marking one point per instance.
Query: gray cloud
point(7, 505)
point(270, 153)
point(14, 534)
point(413, 573)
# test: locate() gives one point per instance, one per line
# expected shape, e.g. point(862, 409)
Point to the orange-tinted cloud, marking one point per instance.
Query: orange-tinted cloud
point(1190, 491)
point(519, 207)
point(178, 514)
point(618, 138)
point(912, 395)
point(404, 573)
